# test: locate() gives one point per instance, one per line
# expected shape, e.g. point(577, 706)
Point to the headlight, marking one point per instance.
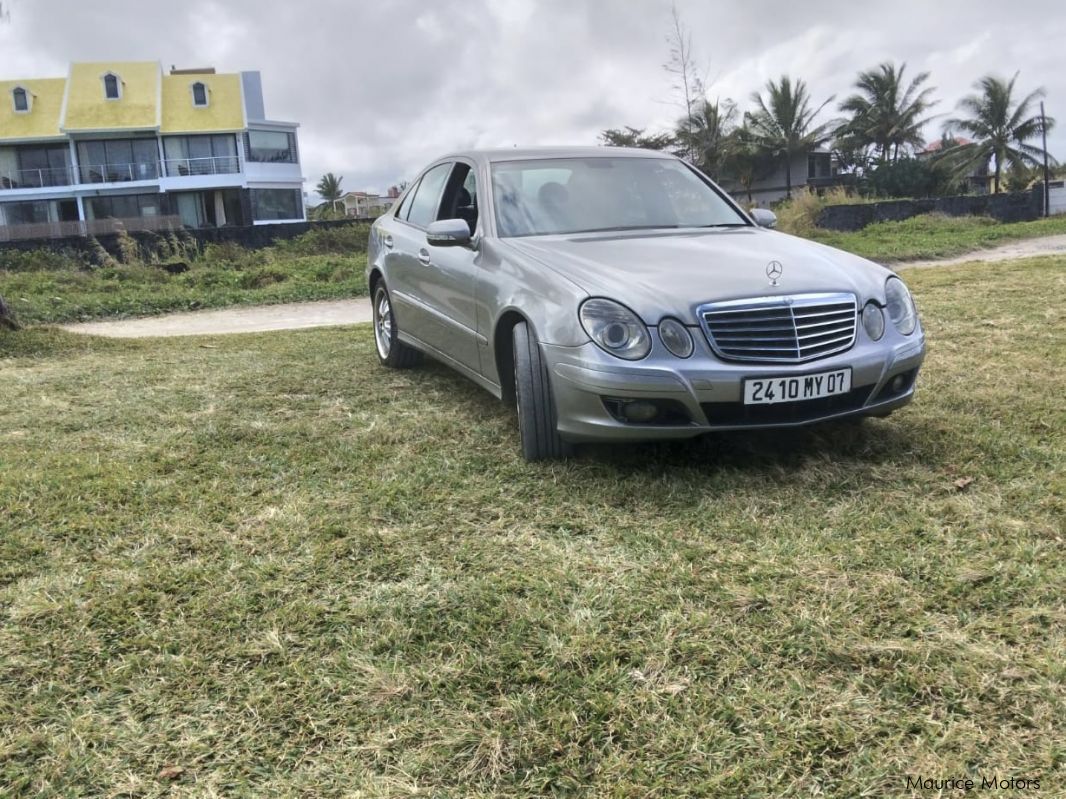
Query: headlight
point(615, 328)
point(873, 319)
point(900, 306)
point(676, 337)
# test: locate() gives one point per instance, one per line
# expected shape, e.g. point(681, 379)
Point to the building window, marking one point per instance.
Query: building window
point(214, 154)
point(272, 204)
point(112, 86)
point(21, 98)
point(199, 94)
point(270, 146)
point(118, 160)
point(124, 206)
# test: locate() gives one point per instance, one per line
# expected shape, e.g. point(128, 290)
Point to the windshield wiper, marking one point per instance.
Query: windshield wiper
point(727, 224)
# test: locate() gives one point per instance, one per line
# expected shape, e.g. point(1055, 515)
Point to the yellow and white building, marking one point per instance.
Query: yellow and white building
point(126, 141)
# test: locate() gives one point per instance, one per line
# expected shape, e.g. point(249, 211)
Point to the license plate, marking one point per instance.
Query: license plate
point(771, 390)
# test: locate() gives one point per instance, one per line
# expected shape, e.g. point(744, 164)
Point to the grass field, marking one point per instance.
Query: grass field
point(934, 236)
point(47, 287)
point(263, 566)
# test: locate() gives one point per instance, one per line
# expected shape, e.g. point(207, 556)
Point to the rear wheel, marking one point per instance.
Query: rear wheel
point(537, 419)
point(392, 352)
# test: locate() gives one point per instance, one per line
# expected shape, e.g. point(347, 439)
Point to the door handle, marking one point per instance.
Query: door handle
point(423, 257)
point(387, 241)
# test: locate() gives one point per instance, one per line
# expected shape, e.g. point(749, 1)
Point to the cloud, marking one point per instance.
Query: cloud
point(382, 88)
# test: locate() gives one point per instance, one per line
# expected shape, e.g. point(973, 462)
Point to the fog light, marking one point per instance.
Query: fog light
point(640, 411)
point(898, 382)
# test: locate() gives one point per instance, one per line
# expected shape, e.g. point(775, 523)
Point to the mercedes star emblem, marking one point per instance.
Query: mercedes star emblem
point(773, 271)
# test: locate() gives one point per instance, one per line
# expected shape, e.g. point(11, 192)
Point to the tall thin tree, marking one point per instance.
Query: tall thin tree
point(684, 66)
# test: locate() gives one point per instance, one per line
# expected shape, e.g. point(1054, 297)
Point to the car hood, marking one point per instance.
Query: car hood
point(671, 273)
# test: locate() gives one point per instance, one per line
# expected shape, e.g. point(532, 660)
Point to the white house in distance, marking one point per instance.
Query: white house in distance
point(810, 170)
point(124, 141)
point(365, 205)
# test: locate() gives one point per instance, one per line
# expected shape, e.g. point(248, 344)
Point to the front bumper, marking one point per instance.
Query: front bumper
point(711, 390)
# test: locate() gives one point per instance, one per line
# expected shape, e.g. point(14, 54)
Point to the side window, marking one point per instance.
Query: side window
point(460, 196)
point(405, 206)
point(427, 196)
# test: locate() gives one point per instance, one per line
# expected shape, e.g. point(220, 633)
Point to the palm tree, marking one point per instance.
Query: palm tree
point(1000, 129)
point(783, 122)
point(705, 134)
point(885, 112)
point(329, 189)
point(745, 161)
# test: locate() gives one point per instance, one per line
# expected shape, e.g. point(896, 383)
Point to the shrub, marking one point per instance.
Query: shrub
point(129, 252)
point(799, 215)
point(327, 240)
point(100, 256)
point(7, 317)
point(41, 260)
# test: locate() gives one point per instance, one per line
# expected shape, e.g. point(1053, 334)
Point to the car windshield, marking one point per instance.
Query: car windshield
point(585, 195)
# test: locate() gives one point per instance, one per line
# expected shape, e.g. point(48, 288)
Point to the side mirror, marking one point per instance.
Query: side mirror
point(448, 233)
point(764, 217)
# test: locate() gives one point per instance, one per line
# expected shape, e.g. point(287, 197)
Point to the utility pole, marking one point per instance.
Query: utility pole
point(1047, 176)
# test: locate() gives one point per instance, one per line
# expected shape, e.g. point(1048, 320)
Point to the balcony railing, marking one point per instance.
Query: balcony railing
point(218, 165)
point(95, 227)
point(119, 173)
point(36, 178)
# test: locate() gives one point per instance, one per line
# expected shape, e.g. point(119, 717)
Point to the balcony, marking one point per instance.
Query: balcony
point(37, 178)
point(119, 173)
point(217, 165)
point(97, 227)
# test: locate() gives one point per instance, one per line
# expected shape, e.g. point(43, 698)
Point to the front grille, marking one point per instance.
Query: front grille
point(737, 413)
point(792, 329)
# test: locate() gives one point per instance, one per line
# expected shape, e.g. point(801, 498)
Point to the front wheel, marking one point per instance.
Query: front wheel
point(392, 352)
point(537, 419)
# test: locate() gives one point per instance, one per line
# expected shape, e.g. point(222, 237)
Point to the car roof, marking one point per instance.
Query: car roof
point(537, 153)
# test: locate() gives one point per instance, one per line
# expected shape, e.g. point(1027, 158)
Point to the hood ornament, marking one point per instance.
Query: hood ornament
point(773, 271)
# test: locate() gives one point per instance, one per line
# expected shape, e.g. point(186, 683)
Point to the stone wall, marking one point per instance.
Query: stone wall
point(1014, 207)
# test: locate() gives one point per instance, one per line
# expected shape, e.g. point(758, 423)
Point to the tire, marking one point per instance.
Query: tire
point(537, 419)
point(392, 352)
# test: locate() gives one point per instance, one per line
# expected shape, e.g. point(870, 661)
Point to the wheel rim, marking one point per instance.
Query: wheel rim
point(383, 324)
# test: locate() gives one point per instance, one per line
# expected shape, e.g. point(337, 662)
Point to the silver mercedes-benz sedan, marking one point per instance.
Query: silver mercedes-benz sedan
point(619, 294)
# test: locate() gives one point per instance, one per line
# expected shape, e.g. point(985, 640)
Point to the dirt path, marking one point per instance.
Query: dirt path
point(1025, 248)
point(295, 315)
point(247, 319)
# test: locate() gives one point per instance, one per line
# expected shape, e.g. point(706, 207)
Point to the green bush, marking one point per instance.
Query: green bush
point(334, 239)
point(41, 260)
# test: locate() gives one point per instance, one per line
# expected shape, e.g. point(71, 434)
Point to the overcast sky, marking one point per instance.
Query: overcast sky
point(381, 87)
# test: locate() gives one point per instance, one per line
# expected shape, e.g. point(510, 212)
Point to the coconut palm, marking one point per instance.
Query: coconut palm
point(886, 112)
point(705, 135)
point(329, 189)
point(745, 161)
point(1000, 128)
point(783, 122)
